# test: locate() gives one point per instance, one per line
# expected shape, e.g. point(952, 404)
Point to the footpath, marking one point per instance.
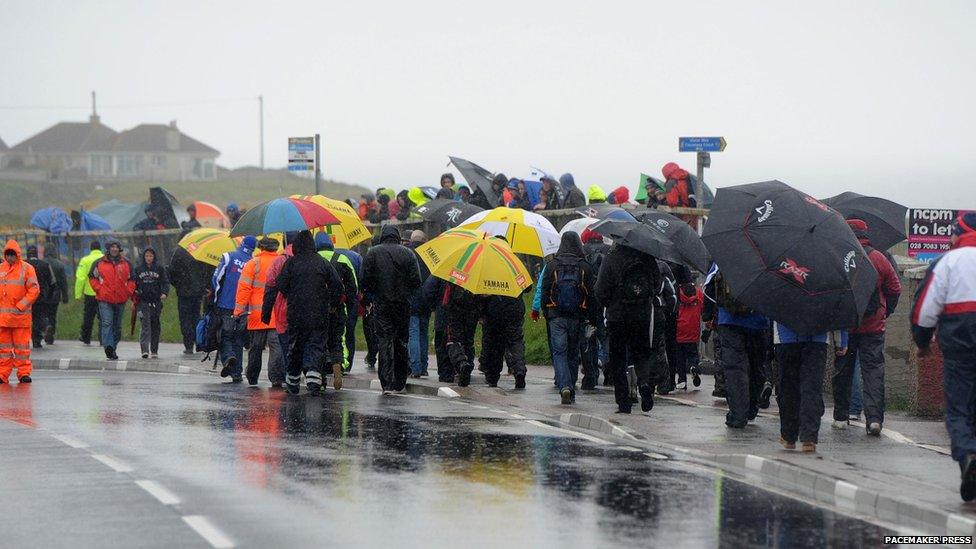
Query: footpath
point(905, 477)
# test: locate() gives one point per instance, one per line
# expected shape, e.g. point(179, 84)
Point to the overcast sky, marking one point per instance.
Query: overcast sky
point(875, 97)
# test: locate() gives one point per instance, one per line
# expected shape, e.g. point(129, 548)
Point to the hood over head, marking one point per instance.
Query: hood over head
point(147, 250)
point(571, 244)
point(304, 244)
point(248, 244)
point(31, 251)
point(499, 181)
point(232, 207)
point(389, 233)
point(596, 194)
point(323, 241)
point(673, 171)
point(417, 196)
point(567, 181)
point(620, 195)
point(12, 245)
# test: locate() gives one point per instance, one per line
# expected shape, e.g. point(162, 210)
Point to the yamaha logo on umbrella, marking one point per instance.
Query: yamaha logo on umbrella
point(849, 261)
point(765, 211)
point(520, 280)
point(791, 267)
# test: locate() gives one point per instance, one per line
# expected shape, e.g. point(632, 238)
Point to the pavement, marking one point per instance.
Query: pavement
point(904, 478)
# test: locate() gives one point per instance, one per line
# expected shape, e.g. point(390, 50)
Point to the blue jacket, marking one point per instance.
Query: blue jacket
point(785, 335)
point(537, 296)
point(754, 321)
point(228, 272)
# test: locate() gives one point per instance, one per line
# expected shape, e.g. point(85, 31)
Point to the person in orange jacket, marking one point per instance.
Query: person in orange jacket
point(249, 301)
point(18, 291)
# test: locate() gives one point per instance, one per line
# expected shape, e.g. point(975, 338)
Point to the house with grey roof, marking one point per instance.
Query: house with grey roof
point(92, 150)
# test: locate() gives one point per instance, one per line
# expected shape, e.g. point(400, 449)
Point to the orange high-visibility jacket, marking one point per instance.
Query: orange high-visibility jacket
point(18, 290)
point(250, 290)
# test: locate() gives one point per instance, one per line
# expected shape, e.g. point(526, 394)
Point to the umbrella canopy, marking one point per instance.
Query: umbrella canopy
point(167, 208)
point(642, 238)
point(476, 262)
point(527, 233)
point(790, 257)
point(689, 245)
point(282, 215)
point(578, 225)
point(210, 215)
point(477, 177)
point(602, 210)
point(350, 230)
point(208, 244)
point(885, 219)
point(447, 212)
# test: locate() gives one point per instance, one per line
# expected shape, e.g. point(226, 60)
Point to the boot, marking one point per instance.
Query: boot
point(25, 379)
point(520, 382)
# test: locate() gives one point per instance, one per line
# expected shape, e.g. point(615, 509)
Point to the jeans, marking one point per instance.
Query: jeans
point(150, 328)
point(392, 334)
point(800, 397)
point(110, 323)
point(857, 403)
point(276, 363)
point(743, 351)
point(959, 384)
point(189, 312)
point(418, 344)
point(88, 318)
point(868, 349)
point(564, 340)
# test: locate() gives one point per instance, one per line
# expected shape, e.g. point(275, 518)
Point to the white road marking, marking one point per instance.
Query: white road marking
point(654, 455)
point(845, 495)
point(754, 463)
point(157, 491)
point(70, 441)
point(64, 363)
point(583, 436)
point(208, 531)
point(118, 466)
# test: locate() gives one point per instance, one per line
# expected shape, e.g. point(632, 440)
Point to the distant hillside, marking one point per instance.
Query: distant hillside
point(246, 186)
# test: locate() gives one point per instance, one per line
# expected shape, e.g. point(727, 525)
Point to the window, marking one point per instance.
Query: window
point(129, 166)
point(101, 165)
point(203, 168)
point(159, 162)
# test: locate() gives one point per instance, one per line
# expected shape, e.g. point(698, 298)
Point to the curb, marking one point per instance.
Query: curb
point(818, 487)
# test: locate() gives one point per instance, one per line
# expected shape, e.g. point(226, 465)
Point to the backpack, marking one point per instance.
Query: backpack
point(568, 295)
point(635, 283)
point(208, 333)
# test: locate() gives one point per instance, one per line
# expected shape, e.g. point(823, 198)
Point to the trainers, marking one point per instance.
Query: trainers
point(809, 447)
point(787, 444)
point(520, 382)
point(767, 392)
point(874, 429)
point(683, 386)
point(464, 379)
point(313, 388)
point(154, 356)
point(145, 356)
point(228, 367)
point(695, 376)
point(566, 396)
point(967, 488)
point(839, 424)
point(337, 376)
point(37, 345)
point(49, 335)
point(25, 379)
point(236, 379)
point(110, 353)
point(415, 376)
point(646, 398)
point(252, 381)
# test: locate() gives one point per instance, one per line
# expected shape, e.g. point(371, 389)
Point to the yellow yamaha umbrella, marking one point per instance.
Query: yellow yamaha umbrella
point(207, 245)
point(527, 233)
point(350, 231)
point(477, 262)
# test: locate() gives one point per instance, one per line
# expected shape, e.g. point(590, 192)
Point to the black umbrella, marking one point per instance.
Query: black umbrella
point(885, 219)
point(477, 177)
point(790, 257)
point(166, 207)
point(640, 237)
point(602, 210)
point(450, 213)
point(687, 241)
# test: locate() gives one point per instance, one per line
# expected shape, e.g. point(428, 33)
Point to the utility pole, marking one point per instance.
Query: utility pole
point(261, 123)
point(318, 167)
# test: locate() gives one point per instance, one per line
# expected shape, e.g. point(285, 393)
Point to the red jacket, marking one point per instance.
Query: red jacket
point(280, 310)
point(677, 185)
point(690, 303)
point(110, 280)
point(888, 288)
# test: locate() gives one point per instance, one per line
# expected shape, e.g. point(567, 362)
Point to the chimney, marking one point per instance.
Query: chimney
point(94, 118)
point(172, 137)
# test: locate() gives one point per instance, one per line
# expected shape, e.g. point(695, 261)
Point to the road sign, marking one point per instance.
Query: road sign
point(701, 144)
point(301, 154)
point(929, 231)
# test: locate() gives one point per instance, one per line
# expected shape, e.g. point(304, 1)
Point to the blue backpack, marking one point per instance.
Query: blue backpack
point(568, 294)
point(207, 333)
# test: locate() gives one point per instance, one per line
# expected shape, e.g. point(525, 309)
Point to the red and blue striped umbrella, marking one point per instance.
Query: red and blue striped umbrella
point(282, 215)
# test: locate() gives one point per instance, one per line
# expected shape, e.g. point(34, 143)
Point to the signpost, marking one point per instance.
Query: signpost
point(703, 146)
point(303, 157)
point(929, 232)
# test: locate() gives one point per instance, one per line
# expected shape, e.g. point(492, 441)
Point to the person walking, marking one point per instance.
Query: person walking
point(249, 302)
point(84, 290)
point(567, 291)
point(40, 316)
point(191, 280)
point(944, 306)
point(369, 316)
point(801, 361)
point(419, 345)
point(352, 307)
point(111, 278)
point(233, 333)
point(433, 293)
point(19, 290)
point(504, 339)
point(151, 289)
point(390, 275)
point(594, 343)
point(60, 296)
point(866, 343)
point(338, 355)
point(463, 310)
point(313, 290)
point(275, 307)
point(627, 286)
point(690, 303)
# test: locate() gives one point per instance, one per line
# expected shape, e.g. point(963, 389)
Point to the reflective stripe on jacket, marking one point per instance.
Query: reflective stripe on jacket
point(249, 298)
point(18, 290)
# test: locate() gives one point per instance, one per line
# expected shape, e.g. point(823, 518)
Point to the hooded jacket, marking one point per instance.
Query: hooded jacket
point(190, 278)
point(570, 255)
point(610, 282)
point(112, 279)
point(620, 195)
point(347, 273)
point(61, 280)
point(228, 272)
point(274, 310)
point(676, 185)
point(249, 298)
point(596, 194)
point(310, 284)
point(574, 196)
point(367, 206)
point(691, 300)
point(45, 276)
point(887, 286)
point(151, 280)
point(390, 271)
point(82, 286)
point(18, 290)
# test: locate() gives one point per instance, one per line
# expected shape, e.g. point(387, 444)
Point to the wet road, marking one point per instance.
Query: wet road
point(132, 460)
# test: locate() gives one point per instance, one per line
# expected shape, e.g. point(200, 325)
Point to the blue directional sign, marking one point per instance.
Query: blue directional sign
point(701, 144)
